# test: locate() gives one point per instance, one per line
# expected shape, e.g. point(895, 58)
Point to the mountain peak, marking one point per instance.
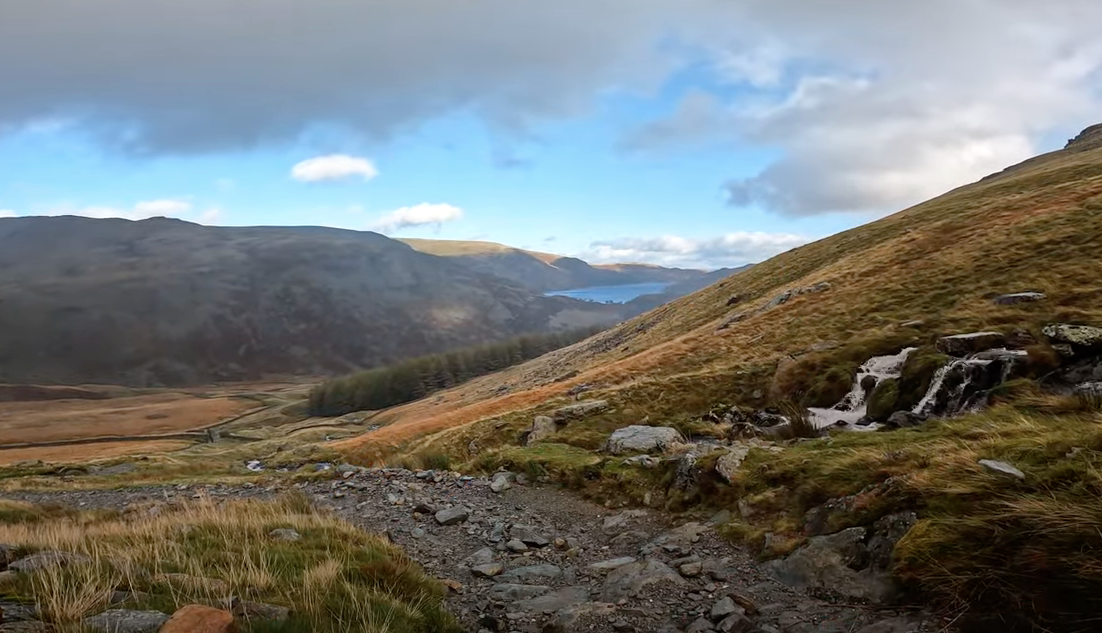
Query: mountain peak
point(1088, 139)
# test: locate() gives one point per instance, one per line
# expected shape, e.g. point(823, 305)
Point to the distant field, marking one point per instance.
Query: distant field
point(87, 452)
point(150, 414)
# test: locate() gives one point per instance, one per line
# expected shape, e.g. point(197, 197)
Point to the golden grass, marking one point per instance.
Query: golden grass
point(336, 578)
point(80, 453)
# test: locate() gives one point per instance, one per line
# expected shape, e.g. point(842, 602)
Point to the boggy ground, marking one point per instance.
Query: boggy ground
point(541, 546)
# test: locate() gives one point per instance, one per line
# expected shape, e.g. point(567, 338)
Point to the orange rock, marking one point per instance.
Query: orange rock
point(197, 618)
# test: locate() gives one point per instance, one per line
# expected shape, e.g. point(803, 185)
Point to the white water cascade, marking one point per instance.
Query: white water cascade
point(854, 406)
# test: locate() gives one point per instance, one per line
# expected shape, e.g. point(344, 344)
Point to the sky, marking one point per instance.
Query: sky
point(694, 133)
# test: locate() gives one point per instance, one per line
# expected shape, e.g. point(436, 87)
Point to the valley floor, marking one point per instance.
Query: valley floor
point(548, 560)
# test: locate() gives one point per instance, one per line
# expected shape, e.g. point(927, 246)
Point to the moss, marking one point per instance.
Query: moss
point(917, 375)
point(884, 399)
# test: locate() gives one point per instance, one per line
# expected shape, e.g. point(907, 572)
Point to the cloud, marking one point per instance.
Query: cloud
point(334, 167)
point(186, 76)
point(140, 211)
point(873, 106)
point(732, 249)
point(211, 216)
point(418, 215)
point(6, 213)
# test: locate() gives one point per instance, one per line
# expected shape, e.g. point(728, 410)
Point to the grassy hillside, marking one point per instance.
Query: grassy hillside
point(541, 272)
point(164, 301)
point(792, 331)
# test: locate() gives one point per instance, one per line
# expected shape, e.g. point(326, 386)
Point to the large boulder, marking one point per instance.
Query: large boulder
point(833, 564)
point(1076, 335)
point(642, 439)
point(626, 582)
point(883, 399)
point(965, 344)
point(728, 465)
point(580, 410)
point(543, 427)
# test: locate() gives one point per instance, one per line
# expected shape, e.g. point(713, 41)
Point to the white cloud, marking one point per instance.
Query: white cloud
point(211, 216)
point(418, 215)
point(334, 167)
point(143, 210)
point(732, 249)
point(6, 213)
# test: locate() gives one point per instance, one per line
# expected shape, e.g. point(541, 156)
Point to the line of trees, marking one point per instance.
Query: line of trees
point(412, 379)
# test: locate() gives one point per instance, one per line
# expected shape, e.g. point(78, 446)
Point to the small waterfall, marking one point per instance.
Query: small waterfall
point(963, 385)
point(854, 406)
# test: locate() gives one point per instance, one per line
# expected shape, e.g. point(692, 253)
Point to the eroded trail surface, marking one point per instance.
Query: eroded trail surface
point(531, 558)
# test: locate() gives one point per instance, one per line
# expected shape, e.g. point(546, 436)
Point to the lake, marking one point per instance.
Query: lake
point(611, 294)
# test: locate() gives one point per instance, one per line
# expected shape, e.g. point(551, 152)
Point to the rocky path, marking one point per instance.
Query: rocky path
point(535, 559)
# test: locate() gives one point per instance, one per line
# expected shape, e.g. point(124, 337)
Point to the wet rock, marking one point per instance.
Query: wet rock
point(47, 559)
point(642, 439)
point(1075, 335)
point(580, 410)
point(1001, 469)
point(1019, 297)
point(964, 344)
point(285, 534)
point(127, 621)
point(452, 516)
point(904, 420)
point(830, 564)
point(509, 592)
point(543, 427)
point(728, 465)
point(554, 601)
point(627, 581)
point(524, 575)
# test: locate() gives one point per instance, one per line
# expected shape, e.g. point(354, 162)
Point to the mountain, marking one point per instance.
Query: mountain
point(967, 509)
point(543, 272)
point(645, 303)
point(163, 301)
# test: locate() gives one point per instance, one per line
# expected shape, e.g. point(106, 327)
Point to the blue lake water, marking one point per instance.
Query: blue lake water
point(611, 294)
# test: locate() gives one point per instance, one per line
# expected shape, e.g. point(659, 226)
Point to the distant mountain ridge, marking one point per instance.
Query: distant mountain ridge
point(543, 272)
point(164, 301)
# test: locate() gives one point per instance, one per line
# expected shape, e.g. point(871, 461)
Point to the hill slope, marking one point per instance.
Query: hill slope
point(542, 272)
point(166, 301)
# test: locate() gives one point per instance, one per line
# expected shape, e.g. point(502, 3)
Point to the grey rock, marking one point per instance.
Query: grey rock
point(1001, 468)
point(508, 592)
point(126, 621)
point(690, 570)
point(627, 581)
point(642, 439)
point(964, 344)
point(905, 419)
point(531, 573)
point(735, 623)
point(48, 559)
point(700, 625)
point(543, 427)
point(554, 601)
point(452, 516)
point(529, 536)
point(481, 557)
point(258, 611)
point(725, 607)
point(827, 564)
point(580, 410)
point(25, 626)
point(1076, 335)
point(502, 482)
point(487, 570)
point(644, 461)
point(285, 534)
point(728, 465)
point(516, 545)
point(894, 625)
point(609, 565)
point(1019, 297)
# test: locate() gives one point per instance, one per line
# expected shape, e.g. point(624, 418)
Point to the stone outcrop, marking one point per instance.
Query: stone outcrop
point(642, 439)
